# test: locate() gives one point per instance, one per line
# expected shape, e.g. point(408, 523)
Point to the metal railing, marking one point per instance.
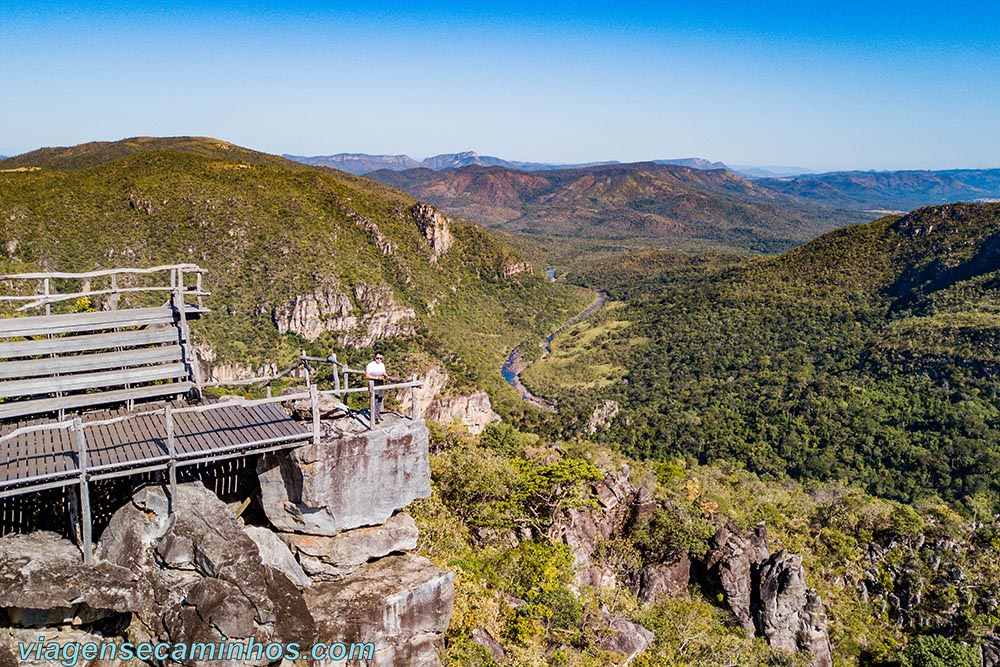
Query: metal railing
point(83, 472)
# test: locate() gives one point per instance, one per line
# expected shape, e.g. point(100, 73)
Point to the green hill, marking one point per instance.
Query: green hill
point(275, 234)
point(868, 355)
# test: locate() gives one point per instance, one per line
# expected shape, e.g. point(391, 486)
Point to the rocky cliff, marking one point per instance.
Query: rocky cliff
point(766, 593)
point(331, 566)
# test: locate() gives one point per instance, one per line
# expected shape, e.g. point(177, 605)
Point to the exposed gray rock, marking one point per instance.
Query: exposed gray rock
point(434, 381)
point(732, 563)
point(222, 589)
point(582, 530)
point(11, 638)
point(275, 553)
point(624, 637)
point(43, 582)
point(309, 315)
point(989, 649)
point(333, 558)
point(347, 482)
point(474, 411)
point(384, 317)
point(400, 603)
point(483, 637)
point(513, 268)
point(328, 405)
point(434, 227)
point(602, 416)
point(665, 580)
point(791, 615)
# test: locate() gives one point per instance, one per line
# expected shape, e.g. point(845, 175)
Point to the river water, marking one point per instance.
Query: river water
point(512, 368)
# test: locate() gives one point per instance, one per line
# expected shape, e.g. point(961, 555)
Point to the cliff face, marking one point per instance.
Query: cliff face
point(766, 593)
point(378, 315)
point(199, 575)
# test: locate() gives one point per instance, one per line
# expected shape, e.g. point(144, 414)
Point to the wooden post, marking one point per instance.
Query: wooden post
point(45, 287)
point(413, 399)
point(85, 519)
point(305, 365)
point(371, 404)
point(314, 399)
point(197, 287)
point(336, 376)
point(168, 414)
point(189, 359)
point(114, 296)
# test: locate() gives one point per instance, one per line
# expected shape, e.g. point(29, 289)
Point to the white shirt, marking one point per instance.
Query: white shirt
point(375, 369)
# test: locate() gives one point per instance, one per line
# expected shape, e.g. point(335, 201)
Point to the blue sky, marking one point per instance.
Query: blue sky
point(822, 85)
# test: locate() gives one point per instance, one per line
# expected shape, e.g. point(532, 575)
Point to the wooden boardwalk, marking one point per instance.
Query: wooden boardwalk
point(47, 454)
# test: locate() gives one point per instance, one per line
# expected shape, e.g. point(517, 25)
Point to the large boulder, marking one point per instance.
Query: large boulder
point(401, 604)
point(732, 562)
point(623, 636)
point(665, 580)
point(206, 577)
point(791, 615)
point(333, 558)
point(43, 582)
point(357, 478)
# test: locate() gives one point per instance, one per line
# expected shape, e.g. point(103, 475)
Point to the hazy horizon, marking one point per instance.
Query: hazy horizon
point(900, 85)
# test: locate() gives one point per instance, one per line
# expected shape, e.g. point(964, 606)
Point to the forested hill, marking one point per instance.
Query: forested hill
point(869, 355)
point(659, 203)
point(298, 257)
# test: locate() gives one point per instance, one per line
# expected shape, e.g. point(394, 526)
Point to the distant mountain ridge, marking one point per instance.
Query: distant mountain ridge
point(648, 200)
point(892, 190)
point(363, 163)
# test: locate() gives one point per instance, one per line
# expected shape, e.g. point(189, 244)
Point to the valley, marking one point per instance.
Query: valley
point(755, 353)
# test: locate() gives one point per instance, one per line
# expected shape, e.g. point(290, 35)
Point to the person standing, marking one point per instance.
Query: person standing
point(375, 371)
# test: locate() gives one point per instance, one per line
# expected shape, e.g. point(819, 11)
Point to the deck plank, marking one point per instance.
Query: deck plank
point(121, 444)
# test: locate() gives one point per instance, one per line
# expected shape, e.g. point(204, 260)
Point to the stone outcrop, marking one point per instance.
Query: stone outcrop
point(602, 416)
point(401, 603)
point(791, 615)
point(624, 637)
point(732, 563)
point(326, 309)
point(474, 411)
point(42, 583)
point(185, 569)
point(511, 269)
point(665, 580)
point(434, 381)
point(359, 478)
point(333, 558)
point(767, 593)
point(434, 227)
point(381, 241)
point(385, 317)
point(206, 577)
point(309, 315)
point(275, 553)
point(582, 530)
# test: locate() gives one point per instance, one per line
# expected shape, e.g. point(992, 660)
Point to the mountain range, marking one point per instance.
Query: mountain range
point(662, 203)
point(363, 163)
point(890, 190)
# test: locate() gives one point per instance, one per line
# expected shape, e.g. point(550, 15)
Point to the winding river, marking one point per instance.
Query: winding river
point(515, 364)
